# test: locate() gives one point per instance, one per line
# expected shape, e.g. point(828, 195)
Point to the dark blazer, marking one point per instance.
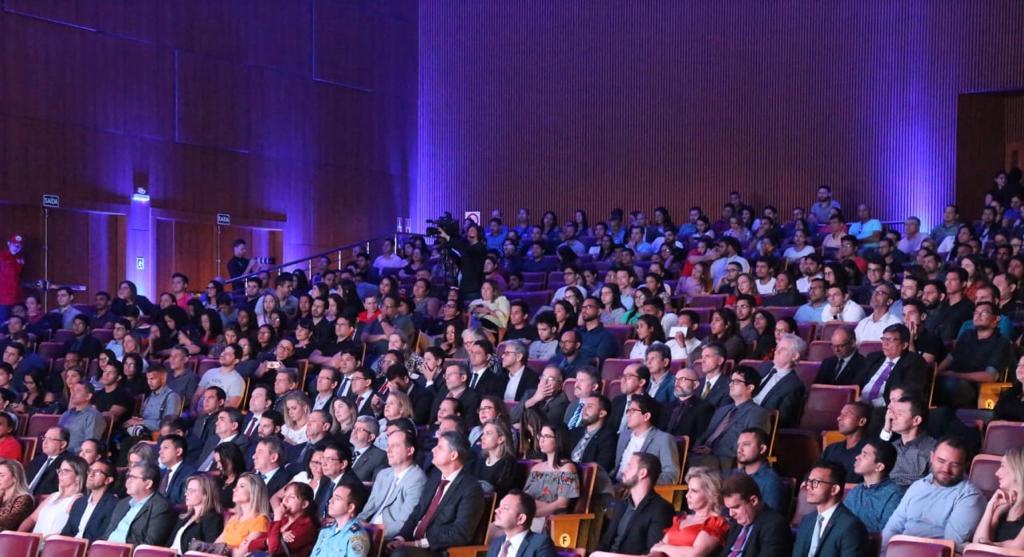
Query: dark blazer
point(470, 400)
point(615, 416)
point(690, 417)
point(910, 370)
point(201, 432)
point(554, 408)
point(48, 483)
point(422, 399)
point(747, 415)
point(851, 373)
point(211, 444)
point(491, 382)
point(97, 521)
point(600, 448)
point(366, 409)
point(326, 489)
point(176, 489)
point(646, 527)
point(719, 395)
point(770, 536)
point(534, 545)
point(457, 518)
point(844, 536)
point(206, 529)
point(666, 389)
point(528, 382)
point(151, 526)
point(280, 479)
point(369, 463)
point(787, 396)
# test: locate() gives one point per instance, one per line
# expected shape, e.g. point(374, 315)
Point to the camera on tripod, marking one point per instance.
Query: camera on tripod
point(446, 223)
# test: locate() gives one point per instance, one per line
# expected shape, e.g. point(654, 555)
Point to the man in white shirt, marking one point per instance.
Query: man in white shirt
point(684, 341)
point(870, 328)
point(387, 258)
point(729, 249)
point(810, 269)
point(840, 307)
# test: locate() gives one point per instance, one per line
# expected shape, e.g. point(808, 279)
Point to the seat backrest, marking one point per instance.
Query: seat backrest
point(569, 388)
point(807, 371)
point(63, 335)
point(789, 488)
point(708, 300)
point(39, 423)
point(613, 388)
point(683, 442)
point(825, 330)
point(823, 405)
point(28, 449)
point(64, 546)
point(983, 473)
point(144, 550)
point(869, 347)
point(819, 350)
point(206, 364)
point(376, 534)
point(50, 351)
point(985, 550)
point(801, 508)
point(612, 368)
point(588, 478)
point(913, 546)
point(1002, 435)
point(19, 544)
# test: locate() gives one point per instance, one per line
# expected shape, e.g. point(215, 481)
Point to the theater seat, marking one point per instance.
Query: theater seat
point(64, 546)
point(825, 330)
point(869, 347)
point(153, 551)
point(913, 546)
point(796, 450)
point(1002, 435)
point(808, 372)
point(983, 550)
point(50, 351)
point(612, 368)
point(983, 473)
point(708, 300)
point(823, 405)
point(819, 350)
point(39, 423)
point(19, 544)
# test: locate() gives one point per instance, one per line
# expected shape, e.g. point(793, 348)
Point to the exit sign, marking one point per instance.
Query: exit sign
point(51, 201)
point(224, 219)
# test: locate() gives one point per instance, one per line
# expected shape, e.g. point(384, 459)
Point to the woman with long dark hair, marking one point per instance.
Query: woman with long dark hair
point(554, 482)
point(725, 331)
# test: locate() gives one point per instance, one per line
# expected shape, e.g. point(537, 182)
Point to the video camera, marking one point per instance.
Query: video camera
point(446, 223)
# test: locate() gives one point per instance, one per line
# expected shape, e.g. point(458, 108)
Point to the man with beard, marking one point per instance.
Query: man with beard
point(910, 289)
point(941, 505)
point(638, 521)
point(592, 441)
point(689, 414)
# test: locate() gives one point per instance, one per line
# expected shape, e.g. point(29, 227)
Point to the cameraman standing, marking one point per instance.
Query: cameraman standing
point(471, 252)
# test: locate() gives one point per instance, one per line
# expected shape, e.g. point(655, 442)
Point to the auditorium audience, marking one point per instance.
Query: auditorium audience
point(832, 529)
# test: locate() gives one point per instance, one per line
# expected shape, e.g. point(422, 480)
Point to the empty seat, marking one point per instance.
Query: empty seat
point(869, 347)
point(819, 350)
point(806, 331)
point(983, 473)
point(1002, 435)
point(708, 300)
point(50, 351)
point(64, 546)
point(823, 405)
point(39, 423)
point(913, 546)
point(19, 544)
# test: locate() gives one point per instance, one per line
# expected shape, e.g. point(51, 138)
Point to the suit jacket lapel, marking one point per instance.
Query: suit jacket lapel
point(394, 492)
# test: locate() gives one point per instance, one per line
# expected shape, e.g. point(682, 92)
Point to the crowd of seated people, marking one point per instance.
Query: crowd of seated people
point(603, 368)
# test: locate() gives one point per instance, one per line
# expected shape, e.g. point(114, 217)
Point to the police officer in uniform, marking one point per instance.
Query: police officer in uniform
point(345, 537)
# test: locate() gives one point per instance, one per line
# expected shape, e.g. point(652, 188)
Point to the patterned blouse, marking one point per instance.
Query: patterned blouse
point(548, 486)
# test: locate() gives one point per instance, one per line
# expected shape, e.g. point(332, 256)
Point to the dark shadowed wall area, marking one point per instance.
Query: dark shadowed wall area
point(297, 117)
point(619, 103)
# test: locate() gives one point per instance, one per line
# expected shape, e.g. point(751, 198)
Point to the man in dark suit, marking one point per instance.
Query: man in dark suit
point(172, 481)
point(227, 429)
point(847, 365)
point(42, 471)
point(144, 517)
point(513, 517)
point(592, 441)
point(261, 400)
point(639, 520)
point(367, 459)
point(549, 397)
point(689, 414)
point(895, 365)
point(451, 505)
point(202, 431)
point(714, 386)
point(521, 379)
point(336, 466)
point(781, 388)
point(635, 378)
point(832, 530)
point(361, 391)
point(99, 495)
point(485, 378)
point(421, 398)
point(758, 530)
point(268, 461)
point(456, 385)
point(716, 448)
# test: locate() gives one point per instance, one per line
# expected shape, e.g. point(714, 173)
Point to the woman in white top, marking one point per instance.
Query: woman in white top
point(799, 249)
point(648, 331)
point(491, 309)
point(52, 514)
point(296, 413)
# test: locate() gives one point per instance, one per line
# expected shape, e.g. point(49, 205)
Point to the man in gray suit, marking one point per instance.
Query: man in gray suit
point(367, 459)
point(513, 516)
point(644, 437)
point(716, 449)
point(397, 489)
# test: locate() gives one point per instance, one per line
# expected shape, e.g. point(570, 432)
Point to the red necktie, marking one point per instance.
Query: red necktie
point(435, 503)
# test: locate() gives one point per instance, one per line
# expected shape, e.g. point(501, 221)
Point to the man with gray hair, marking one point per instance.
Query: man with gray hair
point(520, 378)
point(781, 388)
point(367, 459)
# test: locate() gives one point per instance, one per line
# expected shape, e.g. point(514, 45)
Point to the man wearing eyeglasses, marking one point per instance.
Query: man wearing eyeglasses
point(832, 530)
point(870, 328)
point(90, 515)
point(144, 517)
point(847, 363)
point(42, 471)
point(895, 365)
point(979, 356)
point(689, 414)
point(716, 449)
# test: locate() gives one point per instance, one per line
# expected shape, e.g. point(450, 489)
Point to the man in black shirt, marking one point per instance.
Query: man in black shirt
point(519, 327)
point(957, 308)
point(471, 252)
point(980, 356)
point(924, 342)
point(240, 264)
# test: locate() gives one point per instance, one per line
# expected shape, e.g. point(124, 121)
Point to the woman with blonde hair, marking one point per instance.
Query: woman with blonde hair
point(398, 405)
point(252, 515)
point(1002, 524)
point(296, 414)
point(202, 520)
point(52, 513)
point(16, 502)
point(703, 531)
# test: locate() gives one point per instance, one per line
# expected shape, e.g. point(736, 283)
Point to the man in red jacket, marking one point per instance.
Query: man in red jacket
point(11, 264)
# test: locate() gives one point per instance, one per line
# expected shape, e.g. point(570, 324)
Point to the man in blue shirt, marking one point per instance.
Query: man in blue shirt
point(344, 538)
point(144, 517)
point(867, 230)
point(874, 500)
point(752, 458)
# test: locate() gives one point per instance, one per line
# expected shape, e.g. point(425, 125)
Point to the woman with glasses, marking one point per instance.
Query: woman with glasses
point(202, 519)
point(554, 482)
point(703, 530)
point(16, 502)
point(52, 513)
point(252, 515)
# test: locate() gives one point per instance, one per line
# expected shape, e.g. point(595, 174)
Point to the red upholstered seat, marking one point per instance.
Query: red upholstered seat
point(1002, 435)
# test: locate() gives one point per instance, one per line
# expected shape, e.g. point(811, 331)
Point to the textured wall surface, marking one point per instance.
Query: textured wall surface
point(621, 103)
point(294, 115)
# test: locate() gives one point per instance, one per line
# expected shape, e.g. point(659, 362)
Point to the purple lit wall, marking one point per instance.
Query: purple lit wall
point(617, 103)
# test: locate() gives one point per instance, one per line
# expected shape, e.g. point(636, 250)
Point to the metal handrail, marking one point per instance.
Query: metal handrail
point(338, 250)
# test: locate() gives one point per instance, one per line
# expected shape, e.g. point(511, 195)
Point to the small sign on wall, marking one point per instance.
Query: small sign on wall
point(140, 263)
point(224, 219)
point(473, 216)
point(51, 201)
